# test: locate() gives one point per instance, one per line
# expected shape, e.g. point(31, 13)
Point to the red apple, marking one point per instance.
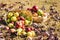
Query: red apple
point(22, 18)
point(32, 28)
point(35, 8)
point(23, 27)
point(19, 23)
point(17, 26)
point(28, 29)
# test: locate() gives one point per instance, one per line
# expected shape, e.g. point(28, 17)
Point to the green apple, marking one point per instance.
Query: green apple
point(27, 22)
point(8, 20)
point(10, 25)
point(16, 14)
point(19, 31)
point(13, 18)
point(10, 14)
point(29, 34)
point(40, 12)
point(28, 18)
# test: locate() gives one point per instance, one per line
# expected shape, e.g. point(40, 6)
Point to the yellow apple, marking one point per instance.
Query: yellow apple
point(19, 31)
point(16, 14)
point(24, 33)
point(40, 12)
point(33, 33)
point(29, 34)
point(10, 14)
point(13, 18)
point(10, 25)
point(27, 22)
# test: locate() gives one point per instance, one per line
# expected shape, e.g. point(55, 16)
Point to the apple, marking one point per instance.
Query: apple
point(10, 14)
point(24, 33)
point(40, 12)
point(23, 27)
point(22, 18)
point(29, 34)
point(8, 20)
point(7, 28)
point(28, 18)
point(33, 33)
point(32, 28)
point(35, 8)
point(19, 31)
point(12, 30)
point(27, 22)
point(21, 21)
point(13, 18)
point(10, 25)
point(17, 24)
point(16, 14)
point(28, 29)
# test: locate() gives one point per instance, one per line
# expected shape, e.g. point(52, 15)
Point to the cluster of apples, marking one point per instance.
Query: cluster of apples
point(36, 11)
point(18, 23)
